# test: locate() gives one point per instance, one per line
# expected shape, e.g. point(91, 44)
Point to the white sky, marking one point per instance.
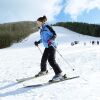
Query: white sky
point(17, 10)
point(29, 9)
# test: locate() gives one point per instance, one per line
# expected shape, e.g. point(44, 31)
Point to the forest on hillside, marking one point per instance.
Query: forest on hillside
point(82, 28)
point(15, 32)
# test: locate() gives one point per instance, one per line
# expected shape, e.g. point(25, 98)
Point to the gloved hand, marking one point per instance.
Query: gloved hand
point(50, 42)
point(36, 43)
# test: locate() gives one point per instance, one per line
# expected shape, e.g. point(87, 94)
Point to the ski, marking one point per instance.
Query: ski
point(50, 82)
point(27, 78)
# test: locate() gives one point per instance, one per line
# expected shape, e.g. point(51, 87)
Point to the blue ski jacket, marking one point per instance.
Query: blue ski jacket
point(46, 35)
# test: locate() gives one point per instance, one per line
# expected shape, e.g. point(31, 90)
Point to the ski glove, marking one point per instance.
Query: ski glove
point(50, 42)
point(36, 43)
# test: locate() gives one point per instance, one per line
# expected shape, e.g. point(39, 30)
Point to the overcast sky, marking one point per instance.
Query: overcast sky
point(55, 10)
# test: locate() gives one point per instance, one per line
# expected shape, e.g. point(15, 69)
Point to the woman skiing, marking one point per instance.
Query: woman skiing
point(48, 37)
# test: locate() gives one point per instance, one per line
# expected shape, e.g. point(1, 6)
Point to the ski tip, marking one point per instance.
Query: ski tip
point(19, 81)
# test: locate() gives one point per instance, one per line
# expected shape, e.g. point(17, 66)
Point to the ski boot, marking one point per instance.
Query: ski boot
point(58, 77)
point(41, 73)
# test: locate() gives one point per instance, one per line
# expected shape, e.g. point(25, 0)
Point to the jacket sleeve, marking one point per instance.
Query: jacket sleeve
point(40, 41)
point(52, 31)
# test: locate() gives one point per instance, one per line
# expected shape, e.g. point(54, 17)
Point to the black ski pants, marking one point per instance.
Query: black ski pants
point(49, 54)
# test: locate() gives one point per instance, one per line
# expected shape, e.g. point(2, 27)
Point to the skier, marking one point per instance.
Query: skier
point(48, 37)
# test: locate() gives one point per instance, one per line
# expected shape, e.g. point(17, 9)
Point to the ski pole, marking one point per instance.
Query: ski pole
point(40, 50)
point(65, 59)
point(41, 53)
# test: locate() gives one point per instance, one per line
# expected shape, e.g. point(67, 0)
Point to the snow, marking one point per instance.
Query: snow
point(23, 60)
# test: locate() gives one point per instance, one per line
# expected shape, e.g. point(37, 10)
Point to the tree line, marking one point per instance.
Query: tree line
point(82, 28)
point(15, 32)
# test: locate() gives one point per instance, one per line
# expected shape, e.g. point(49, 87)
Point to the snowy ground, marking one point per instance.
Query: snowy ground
point(23, 60)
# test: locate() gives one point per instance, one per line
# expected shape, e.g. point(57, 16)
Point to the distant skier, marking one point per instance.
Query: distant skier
point(93, 42)
point(97, 42)
point(84, 43)
point(48, 37)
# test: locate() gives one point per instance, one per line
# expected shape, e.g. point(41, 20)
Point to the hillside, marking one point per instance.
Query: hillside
point(82, 28)
point(15, 32)
point(23, 60)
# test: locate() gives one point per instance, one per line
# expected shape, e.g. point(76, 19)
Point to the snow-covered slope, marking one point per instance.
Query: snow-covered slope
point(23, 60)
point(64, 36)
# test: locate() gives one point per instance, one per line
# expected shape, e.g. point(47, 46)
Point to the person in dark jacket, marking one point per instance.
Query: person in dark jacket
point(47, 37)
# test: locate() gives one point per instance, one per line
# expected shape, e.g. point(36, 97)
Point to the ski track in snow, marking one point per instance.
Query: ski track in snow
point(23, 60)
